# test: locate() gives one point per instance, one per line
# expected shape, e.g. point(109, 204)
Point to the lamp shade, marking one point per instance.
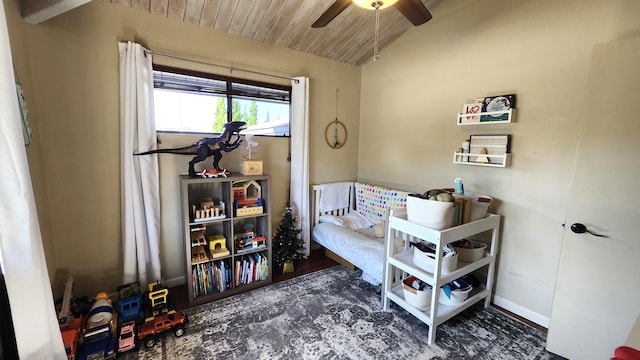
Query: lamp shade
point(371, 4)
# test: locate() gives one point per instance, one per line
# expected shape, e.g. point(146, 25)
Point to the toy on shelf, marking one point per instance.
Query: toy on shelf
point(206, 147)
point(247, 198)
point(199, 254)
point(209, 211)
point(249, 241)
point(198, 238)
point(250, 166)
point(214, 173)
point(218, 246)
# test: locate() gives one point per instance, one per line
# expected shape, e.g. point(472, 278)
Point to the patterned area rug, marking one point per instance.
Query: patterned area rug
point(333, 314)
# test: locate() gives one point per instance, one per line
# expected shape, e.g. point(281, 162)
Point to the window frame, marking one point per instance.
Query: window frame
point(229, 93)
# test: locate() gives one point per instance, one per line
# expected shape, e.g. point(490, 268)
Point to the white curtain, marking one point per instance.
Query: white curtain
point(140, 191)
point(299, 192)
point(21, 251)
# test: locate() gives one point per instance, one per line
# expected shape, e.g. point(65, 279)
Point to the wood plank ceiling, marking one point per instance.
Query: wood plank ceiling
point(349, 38)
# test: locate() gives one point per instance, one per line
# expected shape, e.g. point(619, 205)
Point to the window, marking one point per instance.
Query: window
point(193, 102)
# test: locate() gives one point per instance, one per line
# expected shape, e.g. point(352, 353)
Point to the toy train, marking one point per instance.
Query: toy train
point(102, 333)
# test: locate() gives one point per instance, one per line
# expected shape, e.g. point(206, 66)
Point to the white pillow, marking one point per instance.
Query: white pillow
point(332, 219)
point(356, 221)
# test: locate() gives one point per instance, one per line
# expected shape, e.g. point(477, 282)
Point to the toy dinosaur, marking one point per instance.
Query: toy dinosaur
point(206, 147)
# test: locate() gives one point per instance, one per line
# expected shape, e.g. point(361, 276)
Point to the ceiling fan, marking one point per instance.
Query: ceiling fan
point(413, 10)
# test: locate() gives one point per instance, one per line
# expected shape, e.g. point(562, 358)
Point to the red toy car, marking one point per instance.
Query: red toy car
point(149, 332)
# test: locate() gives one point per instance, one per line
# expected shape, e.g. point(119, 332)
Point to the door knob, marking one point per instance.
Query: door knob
point(579, 228)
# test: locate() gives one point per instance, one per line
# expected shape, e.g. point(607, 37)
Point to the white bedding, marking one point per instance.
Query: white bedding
point(359, 247)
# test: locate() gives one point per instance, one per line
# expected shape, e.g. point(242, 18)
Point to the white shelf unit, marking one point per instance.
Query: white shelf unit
point(511, 117)
point(399, 265)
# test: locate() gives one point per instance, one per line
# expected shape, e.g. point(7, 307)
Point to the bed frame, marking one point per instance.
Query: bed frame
point(316, 190)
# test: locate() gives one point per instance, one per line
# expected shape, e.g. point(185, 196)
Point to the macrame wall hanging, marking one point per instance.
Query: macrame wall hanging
point(336, 132)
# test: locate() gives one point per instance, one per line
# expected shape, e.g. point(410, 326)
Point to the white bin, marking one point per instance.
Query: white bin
point(434, 214)
point(457, 297)
point(427, 261)
point(470, 254)
point(420, 299)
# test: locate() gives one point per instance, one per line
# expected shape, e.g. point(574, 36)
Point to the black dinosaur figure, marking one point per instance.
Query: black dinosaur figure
point(206, 147)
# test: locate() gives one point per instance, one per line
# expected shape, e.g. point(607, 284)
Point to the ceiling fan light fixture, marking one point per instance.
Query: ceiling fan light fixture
point(373, 4)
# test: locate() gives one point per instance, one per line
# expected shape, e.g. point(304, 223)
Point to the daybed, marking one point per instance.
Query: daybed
point(350, 221)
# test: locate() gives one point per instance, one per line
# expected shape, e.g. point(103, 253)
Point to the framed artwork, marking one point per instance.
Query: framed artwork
point(489, 149)
point(24, 114)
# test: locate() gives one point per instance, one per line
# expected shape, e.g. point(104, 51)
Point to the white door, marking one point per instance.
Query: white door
point(597, 296)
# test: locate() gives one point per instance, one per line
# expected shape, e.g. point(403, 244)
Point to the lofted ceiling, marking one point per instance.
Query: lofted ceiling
point(349, 38)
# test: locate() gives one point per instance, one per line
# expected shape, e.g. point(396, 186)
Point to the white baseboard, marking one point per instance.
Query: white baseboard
point(521, 311)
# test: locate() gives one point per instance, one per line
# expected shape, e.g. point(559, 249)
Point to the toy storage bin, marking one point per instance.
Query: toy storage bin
point(457, 297)
point(469, 254)
point(426, 261)
point(479, 205)
point(434, 214)
point(420, 299)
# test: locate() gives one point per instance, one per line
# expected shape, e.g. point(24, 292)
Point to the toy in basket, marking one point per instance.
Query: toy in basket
point(455, 292)
point(424, 257)
point(469, 250)
point(417, 293)
point(433, 209)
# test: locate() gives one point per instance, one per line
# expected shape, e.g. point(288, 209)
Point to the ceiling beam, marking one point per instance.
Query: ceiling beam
point(37, 11)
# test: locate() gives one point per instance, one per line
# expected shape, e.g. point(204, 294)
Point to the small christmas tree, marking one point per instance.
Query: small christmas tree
point(286, 241)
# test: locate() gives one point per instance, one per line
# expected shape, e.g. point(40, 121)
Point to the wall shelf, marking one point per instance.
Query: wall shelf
point(495, 160)
point(462, 118)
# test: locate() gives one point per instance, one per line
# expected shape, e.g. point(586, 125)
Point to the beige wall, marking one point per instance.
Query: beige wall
point(539, 50)
point(74, 66)
point(401, 119)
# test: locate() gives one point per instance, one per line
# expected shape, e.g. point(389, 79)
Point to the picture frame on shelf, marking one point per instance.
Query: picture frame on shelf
point(489, 149)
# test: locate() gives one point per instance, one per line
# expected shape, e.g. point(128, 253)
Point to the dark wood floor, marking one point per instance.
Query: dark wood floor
point(314, 262)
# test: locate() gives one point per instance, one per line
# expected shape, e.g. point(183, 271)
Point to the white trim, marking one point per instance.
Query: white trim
point(50, 11)
point(521, 311)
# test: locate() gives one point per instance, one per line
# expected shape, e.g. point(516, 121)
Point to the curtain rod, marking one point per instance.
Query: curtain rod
point(232, 68)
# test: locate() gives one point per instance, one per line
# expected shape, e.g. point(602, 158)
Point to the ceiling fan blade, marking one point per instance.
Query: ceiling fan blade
point(414, 11)
point(334, 10)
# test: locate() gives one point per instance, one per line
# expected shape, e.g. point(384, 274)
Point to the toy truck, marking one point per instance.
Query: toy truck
point(99, 341)
point(71, 324)
point(157, 301)
point(130, 307)
point(150, 331)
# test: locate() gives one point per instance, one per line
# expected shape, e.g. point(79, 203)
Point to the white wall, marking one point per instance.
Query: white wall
point(539, 50)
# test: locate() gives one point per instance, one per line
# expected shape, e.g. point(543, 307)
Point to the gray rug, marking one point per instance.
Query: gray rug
point(333, 314)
